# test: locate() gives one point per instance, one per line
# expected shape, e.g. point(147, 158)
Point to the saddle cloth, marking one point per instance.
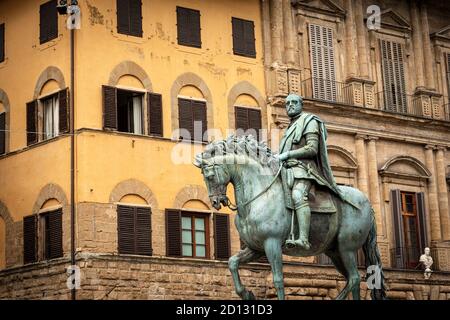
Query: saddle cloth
point(320, 200)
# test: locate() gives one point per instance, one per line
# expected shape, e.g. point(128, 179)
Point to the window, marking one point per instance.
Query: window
point(193, 235)
point(187, 234)
point(243, 37)
point(410, 231)
point(322, 62)
point(393, 76)
point(51, 117)
point(2, 133)
point(248, 121)
point(42, 236)
point(193, 119)
point(54, 119)
point(2, 42)
point(48, 28)
point(188, 27)
point(129, 17)
point(134, 230)
point(123, 111)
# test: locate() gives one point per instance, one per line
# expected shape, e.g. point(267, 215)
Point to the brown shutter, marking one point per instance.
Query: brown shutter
point(188, 27)
point(32, 135)
point(398, 228)
point(55, 234)
point(254, 121)
point(199, 115)
point(423, 234)
point(173, 233)
point(238, 36)
point(30, 239)
point(63, 98)
point(185, 117)
point(126, 229)
point(2, 42)
point(143, 231)
point(249, 38)
point(123, 16)
point(393, 76)
point(109, 108)
point(222, 243)
point(135, 18)
point(48, 21)
point(241, 118)
point(155, 120)
point(2, 133)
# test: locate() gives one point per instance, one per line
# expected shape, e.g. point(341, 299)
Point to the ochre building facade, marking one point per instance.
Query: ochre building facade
point(143, 225)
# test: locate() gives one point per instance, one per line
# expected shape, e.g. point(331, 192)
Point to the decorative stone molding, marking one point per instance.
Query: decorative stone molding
point(50, 191)
point(136, 187)
point(10, 236)
point(419, 170)
point(5, 101)
point(133, 69)
point(245, 87)
point(191, 192)
point(351, 162)
point(191, 79)
point(50, 73)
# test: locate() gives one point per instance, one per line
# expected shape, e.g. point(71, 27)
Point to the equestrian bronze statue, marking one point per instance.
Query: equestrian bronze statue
point(289, 203)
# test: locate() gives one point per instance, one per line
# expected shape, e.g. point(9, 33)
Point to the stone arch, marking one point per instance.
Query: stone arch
point(5, 101)
point(405, 167)
point(133, 69)
point(136, 187)
point(10, 247)
point(192, 79)
point(50, 73)
point(347, 159)
point(191, 192)
point(50, 191)
point(245, 87)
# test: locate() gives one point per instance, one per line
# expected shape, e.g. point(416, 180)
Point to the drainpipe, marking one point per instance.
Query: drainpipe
point(72, 154)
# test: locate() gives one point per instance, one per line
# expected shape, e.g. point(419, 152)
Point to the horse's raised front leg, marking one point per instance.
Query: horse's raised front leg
point(272, 247)
point(244, 256)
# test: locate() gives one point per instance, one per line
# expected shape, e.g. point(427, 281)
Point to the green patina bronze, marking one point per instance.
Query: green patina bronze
point(289, 203)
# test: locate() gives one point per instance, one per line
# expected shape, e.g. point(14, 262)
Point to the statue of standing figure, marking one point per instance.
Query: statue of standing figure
point(427, 262)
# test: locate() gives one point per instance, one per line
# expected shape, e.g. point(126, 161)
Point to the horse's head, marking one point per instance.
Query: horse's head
point(216, 179)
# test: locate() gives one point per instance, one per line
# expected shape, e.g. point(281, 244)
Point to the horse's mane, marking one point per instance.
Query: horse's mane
point(243, 145)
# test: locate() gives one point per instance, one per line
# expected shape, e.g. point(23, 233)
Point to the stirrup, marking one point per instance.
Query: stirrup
point(298, 243)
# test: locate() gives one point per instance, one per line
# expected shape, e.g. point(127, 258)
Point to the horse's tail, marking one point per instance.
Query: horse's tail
point(373, 260)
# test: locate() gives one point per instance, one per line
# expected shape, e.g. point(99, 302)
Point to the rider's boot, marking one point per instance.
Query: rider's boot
point(303, 213)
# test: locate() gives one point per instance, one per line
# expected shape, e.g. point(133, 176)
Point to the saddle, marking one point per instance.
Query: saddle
point(320, 200)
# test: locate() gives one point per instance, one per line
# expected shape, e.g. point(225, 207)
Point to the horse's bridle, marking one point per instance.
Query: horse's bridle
point(231, 205)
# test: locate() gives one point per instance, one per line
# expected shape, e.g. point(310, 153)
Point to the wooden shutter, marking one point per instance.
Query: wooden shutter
point(185, 117)
point(55, 234)
point(32, 135)
point(2, 133)
point(143, 237)
point(126, 229)
point(322, 62)
point(173, 233)
point(243, 37)
point(109, 108)
point(254, 121)
point(421, 215)
point(398, 256)
point(135, 18)
point(248, 118)
point(241, 118)
point(222, 243)
point(155, 120)
point(393, 76)
point(188, 27)
point(64, 113)
point(123, 16)
point(48, 21)
point(199, 115)
point(2, 42)
point(30, 239)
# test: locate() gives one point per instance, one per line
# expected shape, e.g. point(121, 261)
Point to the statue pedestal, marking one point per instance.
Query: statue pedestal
point(440, 251)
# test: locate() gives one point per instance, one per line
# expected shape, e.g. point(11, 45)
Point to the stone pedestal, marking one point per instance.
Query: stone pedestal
point(440, 251)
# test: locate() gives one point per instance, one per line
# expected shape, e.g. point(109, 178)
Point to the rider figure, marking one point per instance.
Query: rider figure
point(305, 162)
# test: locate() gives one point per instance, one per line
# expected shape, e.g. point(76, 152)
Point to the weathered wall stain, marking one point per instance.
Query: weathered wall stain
point(95, 17)
point(211, 67)
point(241, 71)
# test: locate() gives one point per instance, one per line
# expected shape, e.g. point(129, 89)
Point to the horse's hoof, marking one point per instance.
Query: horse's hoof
point(248, 295)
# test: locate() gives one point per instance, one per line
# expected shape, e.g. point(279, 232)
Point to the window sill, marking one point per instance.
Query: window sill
point(32, 146)
point(129, 38)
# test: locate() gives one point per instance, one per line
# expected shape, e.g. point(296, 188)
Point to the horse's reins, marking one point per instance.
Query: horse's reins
point(236, 207)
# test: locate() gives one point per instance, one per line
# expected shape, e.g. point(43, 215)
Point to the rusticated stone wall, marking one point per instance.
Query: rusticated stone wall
point(107, 276)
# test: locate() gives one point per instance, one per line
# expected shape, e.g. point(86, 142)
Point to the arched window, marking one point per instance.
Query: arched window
point(192, 114)
point(2, 129)
point(247, 116)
